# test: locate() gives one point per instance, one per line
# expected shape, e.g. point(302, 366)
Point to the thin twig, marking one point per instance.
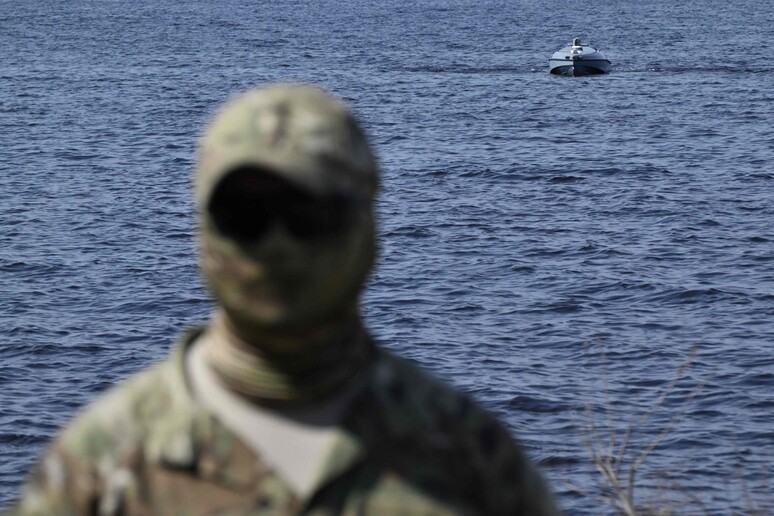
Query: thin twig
point(609, 458)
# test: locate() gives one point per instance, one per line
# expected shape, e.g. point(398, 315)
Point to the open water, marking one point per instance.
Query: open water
point(547, 244)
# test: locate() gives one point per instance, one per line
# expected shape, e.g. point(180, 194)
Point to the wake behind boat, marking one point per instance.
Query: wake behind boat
point(578, 59)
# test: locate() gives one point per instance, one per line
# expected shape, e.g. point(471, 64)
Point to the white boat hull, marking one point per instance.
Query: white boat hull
point(575, 61)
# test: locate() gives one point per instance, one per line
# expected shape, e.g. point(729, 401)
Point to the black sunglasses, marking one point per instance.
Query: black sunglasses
point(248, 202)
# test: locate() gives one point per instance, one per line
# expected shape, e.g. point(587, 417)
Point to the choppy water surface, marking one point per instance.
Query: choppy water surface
point(546, 243)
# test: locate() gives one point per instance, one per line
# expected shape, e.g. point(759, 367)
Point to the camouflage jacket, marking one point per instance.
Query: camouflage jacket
point(408, 445)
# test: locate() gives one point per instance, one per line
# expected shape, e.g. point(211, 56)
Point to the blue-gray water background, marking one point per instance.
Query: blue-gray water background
point(527, 222)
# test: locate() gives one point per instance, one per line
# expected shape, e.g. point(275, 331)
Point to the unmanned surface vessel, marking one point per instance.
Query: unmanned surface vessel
point(578, 59)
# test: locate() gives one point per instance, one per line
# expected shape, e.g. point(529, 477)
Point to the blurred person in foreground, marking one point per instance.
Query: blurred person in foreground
point(283, 404)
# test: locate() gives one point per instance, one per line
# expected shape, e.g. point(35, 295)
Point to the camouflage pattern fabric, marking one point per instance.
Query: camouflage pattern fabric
point(408, 445)
point(297, 130)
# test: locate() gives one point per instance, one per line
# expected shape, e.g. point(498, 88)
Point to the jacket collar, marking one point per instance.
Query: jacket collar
point(190, 438)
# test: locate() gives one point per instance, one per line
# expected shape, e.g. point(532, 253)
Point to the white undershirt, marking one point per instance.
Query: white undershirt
point(295, 442)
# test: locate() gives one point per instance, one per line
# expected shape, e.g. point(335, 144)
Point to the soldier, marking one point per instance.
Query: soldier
point(283, 404)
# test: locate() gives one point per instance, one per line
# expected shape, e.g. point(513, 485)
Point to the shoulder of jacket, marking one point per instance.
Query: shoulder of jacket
point(121, 416)
point(453, 435)
point(419, 404)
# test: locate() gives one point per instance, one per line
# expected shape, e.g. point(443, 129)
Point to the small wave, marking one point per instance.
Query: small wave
point(529, 404)
point(462, 69)
point(760, 379)
point(466, 308)
point(21, 439)
point(565, 179)
point(558, 460)
point(763, 176)
point(411, 231)
point(687, 296)
point(765, 405)
point(695, 69)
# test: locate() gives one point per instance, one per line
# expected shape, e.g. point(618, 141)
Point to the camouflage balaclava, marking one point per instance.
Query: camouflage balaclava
point(284, 186)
